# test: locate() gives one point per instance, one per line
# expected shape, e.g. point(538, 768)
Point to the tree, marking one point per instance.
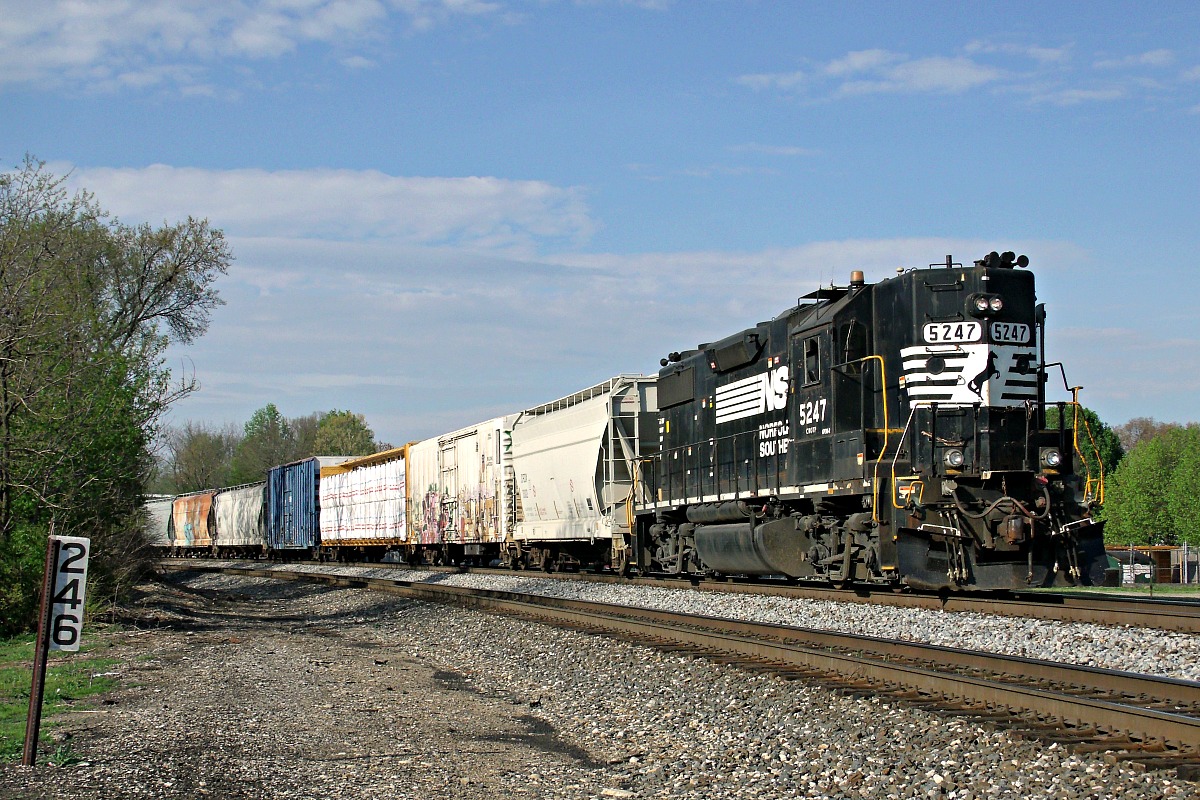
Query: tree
point(200, 456)
point(1107, 444)
point(344, 433)
point(265, 444)
point(1183, 493)
point(87, 307)
point(1151, 498)
point(1141, 429)
point(302, 436)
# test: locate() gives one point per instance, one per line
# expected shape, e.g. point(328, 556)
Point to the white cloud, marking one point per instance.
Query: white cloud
point(861, 61)
point(876, 71)
point(772, 80)
point(109, 44)
point(936, 74)
point(357, 62)
point(1042, 55)
point(479, 212)
point(1044, 74)
point(773, 150)
point(1151, 58)
point(1072, 97)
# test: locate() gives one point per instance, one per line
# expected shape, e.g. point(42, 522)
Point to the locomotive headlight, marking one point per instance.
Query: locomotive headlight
point(954, 458)
point(982, 304)
point(1051, 458)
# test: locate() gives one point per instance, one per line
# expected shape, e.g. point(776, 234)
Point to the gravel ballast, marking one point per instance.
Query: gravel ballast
point(248, 687)
point(1144, 650)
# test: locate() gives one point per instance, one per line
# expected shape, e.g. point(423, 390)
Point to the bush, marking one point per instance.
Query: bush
point(22, 561)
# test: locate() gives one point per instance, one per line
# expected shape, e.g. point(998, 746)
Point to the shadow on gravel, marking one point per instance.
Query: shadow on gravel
point(203, 609)
point(538, 735)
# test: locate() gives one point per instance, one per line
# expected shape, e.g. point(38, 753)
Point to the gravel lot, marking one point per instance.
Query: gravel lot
point(241, 687)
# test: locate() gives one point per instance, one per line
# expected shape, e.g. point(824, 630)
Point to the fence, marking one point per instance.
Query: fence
point(1156, 564)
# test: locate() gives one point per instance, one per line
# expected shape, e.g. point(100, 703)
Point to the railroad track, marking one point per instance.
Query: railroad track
point(1143, 720)
point(1170, 615)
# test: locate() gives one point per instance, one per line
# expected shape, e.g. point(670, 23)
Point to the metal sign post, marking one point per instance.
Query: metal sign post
point(60, 622)
point(33, 721)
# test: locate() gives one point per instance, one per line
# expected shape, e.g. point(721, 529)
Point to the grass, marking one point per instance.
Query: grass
point(1173, 590)
point(70, 679)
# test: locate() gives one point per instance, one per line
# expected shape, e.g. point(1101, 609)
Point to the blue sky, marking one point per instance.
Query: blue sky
point(444, 210)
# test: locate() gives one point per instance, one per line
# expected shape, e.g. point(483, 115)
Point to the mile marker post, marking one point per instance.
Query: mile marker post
point(33, 722)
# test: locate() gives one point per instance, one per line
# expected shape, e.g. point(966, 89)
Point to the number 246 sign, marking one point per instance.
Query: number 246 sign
point(70, 582)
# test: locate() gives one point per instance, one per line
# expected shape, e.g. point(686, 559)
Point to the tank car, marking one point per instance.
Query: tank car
point(891, 433)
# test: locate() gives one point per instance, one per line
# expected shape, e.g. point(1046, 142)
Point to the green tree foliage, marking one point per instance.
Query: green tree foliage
point(1183, 494)
point(1151, 497)
point(266, 443)
point(344, 433)
point(302, 435)
point(1107, 445)
point(87, 307)
point(199, 456)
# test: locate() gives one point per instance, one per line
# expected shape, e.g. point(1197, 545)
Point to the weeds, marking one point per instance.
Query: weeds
point(71, 678)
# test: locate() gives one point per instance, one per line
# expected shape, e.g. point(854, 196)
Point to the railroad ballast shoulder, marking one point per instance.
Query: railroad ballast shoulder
point(890, 433)
point(887, 433)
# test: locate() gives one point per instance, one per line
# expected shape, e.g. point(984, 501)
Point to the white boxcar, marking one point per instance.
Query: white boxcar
point(575, 463)
point(240, 516)
point(457, 506)
point(364, 502)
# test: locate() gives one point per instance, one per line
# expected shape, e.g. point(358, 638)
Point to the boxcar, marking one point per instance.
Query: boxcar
point(158, 525)
point(364, 507)
point(457, 498)
point(294, 507)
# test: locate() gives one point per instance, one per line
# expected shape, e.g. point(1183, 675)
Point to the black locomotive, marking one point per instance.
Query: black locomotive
point(890, 433)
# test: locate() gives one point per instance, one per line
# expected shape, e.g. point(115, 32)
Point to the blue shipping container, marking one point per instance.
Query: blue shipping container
point(293, 503)
point(293, 520)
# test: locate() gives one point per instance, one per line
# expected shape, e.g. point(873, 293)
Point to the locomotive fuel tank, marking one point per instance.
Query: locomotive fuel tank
point(775, 547)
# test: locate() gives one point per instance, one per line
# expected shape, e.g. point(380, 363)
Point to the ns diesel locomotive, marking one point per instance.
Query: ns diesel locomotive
point(891, 433)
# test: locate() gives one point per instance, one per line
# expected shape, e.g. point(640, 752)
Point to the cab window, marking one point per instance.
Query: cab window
point(812, 361)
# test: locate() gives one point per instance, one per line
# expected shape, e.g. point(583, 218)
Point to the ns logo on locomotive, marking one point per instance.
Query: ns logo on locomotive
point(891, 433)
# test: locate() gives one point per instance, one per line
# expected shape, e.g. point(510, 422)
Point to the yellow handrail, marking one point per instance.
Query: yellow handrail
point(1089, 482)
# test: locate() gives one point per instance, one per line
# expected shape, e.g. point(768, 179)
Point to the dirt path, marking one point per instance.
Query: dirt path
point(260, 689)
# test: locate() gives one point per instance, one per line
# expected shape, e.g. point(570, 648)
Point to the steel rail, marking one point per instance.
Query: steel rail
point(1170, 615)
point(1108, 701)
